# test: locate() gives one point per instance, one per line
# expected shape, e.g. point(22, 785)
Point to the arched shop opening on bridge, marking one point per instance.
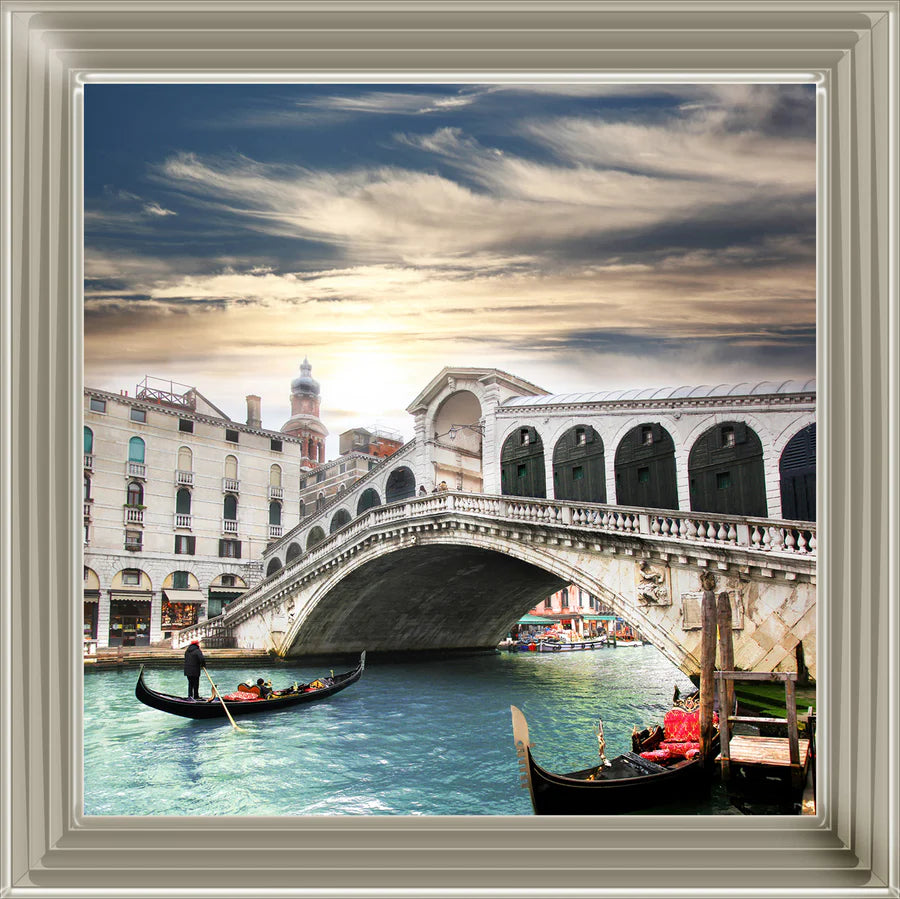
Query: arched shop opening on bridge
point(401, 484)
point(726, 473)
point(645, 468)
point(797, 470)
point(522, 464)
point(579, 470)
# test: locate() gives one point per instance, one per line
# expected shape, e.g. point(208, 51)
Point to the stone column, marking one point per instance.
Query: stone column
point(103, 621)
point(155, 616)
point(490, 451)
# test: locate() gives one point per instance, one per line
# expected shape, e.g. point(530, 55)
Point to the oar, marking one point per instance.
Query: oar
point(224, 706)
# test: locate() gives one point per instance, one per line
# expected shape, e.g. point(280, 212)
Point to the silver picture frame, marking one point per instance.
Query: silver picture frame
point(51, 49)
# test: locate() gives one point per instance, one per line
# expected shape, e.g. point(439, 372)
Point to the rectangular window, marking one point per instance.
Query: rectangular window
point(524, 437)
point(179, 580)
point(134, 539)
point(184, 545)
point(275, 445)
point(227, 580)
point(230, 549)
point(131, 577)
point(185, 425)
point(580, 437)
point(723, 480)
point(320, 476)
point(231, 436)
point(521, 471)
point(139, 415)
point(98, 405)
point(646, 434)
point(728, 437)
point(643, 475)
point(578, 473)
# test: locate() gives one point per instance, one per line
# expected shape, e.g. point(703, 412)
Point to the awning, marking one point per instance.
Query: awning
point(534, 619)
point(217, 588)
point(599, 617)
point(130, 597)
point(92, 596)
point(183, 595)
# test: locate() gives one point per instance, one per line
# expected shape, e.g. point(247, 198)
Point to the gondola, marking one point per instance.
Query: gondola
point(627, 783)
point(321, 688)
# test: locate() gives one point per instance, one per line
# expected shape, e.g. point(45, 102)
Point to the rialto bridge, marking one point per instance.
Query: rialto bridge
point(697, 473)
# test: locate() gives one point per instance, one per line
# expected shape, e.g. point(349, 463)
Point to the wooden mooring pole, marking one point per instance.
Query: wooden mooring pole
point(707, 674)
point(726, 652)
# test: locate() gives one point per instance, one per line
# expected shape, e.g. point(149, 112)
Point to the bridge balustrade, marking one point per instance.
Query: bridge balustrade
point(767, 536)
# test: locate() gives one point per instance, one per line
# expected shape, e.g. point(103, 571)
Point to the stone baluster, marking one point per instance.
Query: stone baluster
point(789, 540)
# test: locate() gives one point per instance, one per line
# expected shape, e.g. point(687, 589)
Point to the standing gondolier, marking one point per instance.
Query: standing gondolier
point(193, 662)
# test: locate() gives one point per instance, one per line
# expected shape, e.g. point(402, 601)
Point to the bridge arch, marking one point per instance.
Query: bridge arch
point(368, 499)
point(645, 471)
point(522, 467)
point(726, 471)
point(340, 518)
point(400, 484)
point(579, 467)
point(475, 591)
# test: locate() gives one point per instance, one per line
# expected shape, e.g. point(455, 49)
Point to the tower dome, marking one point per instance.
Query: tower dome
point(305, 383)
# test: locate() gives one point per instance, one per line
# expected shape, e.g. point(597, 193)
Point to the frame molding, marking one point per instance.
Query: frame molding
point(50, 49)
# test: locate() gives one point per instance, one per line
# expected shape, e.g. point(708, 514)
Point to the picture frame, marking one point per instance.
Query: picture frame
point(849, 49)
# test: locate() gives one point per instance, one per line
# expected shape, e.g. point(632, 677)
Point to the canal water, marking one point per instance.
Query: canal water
point(431, 737)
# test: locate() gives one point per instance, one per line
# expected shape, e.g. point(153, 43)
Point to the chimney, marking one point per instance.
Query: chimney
point(254, 416)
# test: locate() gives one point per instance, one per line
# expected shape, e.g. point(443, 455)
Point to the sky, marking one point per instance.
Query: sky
point(582, 237)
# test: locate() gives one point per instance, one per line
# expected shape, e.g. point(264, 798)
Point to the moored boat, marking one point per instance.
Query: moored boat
point(246, 702)
point(630, 782)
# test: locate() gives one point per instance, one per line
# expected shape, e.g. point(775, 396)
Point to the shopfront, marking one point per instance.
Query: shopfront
point(129, 620)
point(180, 609)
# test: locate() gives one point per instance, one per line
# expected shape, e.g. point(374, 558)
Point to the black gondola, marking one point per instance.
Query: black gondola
point(280, 699)
point(627, 783)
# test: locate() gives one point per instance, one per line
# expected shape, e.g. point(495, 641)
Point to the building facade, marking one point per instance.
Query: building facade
point(179, 504)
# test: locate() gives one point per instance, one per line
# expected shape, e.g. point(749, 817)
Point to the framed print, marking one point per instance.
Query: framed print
point(52, 55)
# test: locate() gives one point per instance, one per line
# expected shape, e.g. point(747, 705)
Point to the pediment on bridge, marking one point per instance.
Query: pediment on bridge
point(509, 384)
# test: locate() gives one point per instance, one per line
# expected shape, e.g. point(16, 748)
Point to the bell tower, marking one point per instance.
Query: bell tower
point(304, 421)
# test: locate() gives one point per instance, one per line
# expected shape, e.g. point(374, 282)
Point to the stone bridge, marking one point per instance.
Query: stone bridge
point(454, 570)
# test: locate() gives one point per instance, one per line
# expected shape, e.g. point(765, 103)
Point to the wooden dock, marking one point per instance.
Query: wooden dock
point(765, 751)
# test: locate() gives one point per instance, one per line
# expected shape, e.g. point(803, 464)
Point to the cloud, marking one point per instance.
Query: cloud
point(156, 209)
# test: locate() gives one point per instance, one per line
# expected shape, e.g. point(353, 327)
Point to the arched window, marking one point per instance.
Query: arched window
point(183, 501)
point(231, 467)
point(275, 476)
point(275, 513)
point(136, 450)
point(341, 517)
point(320, 502)
point(185, 458)
point(293, 552)
point(316, 535)
point(273, 566)
point(229, 507)
point(302, 509)
point(368, 500)
point(401, 484)
point(135, 494)
point(88, 440)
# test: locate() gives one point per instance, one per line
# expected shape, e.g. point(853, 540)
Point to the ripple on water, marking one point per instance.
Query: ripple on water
point(412, 738)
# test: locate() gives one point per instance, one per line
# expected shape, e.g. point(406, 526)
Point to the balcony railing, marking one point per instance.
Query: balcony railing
point(136, 469)
point(229, 526)
point(231, 485)
point(87, 508)
point(133, 543)
point(88, 461)
point(275, 531)
point(276, 492)
point(133, 515)
point(184, 478)
point(182, 521)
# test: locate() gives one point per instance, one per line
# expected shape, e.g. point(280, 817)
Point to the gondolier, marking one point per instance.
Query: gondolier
point(193, 662)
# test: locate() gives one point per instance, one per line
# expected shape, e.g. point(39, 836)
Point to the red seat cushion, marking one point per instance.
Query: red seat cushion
point(657, 755)
point(681, 726)
point(241, 695)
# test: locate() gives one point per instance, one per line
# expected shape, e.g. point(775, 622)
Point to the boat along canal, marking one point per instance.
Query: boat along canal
point(424, 737)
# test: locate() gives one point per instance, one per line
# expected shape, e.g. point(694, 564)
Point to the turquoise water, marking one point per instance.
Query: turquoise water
point(411, 738)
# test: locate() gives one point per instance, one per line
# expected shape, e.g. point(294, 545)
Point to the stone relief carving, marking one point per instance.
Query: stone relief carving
point(652, 584)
